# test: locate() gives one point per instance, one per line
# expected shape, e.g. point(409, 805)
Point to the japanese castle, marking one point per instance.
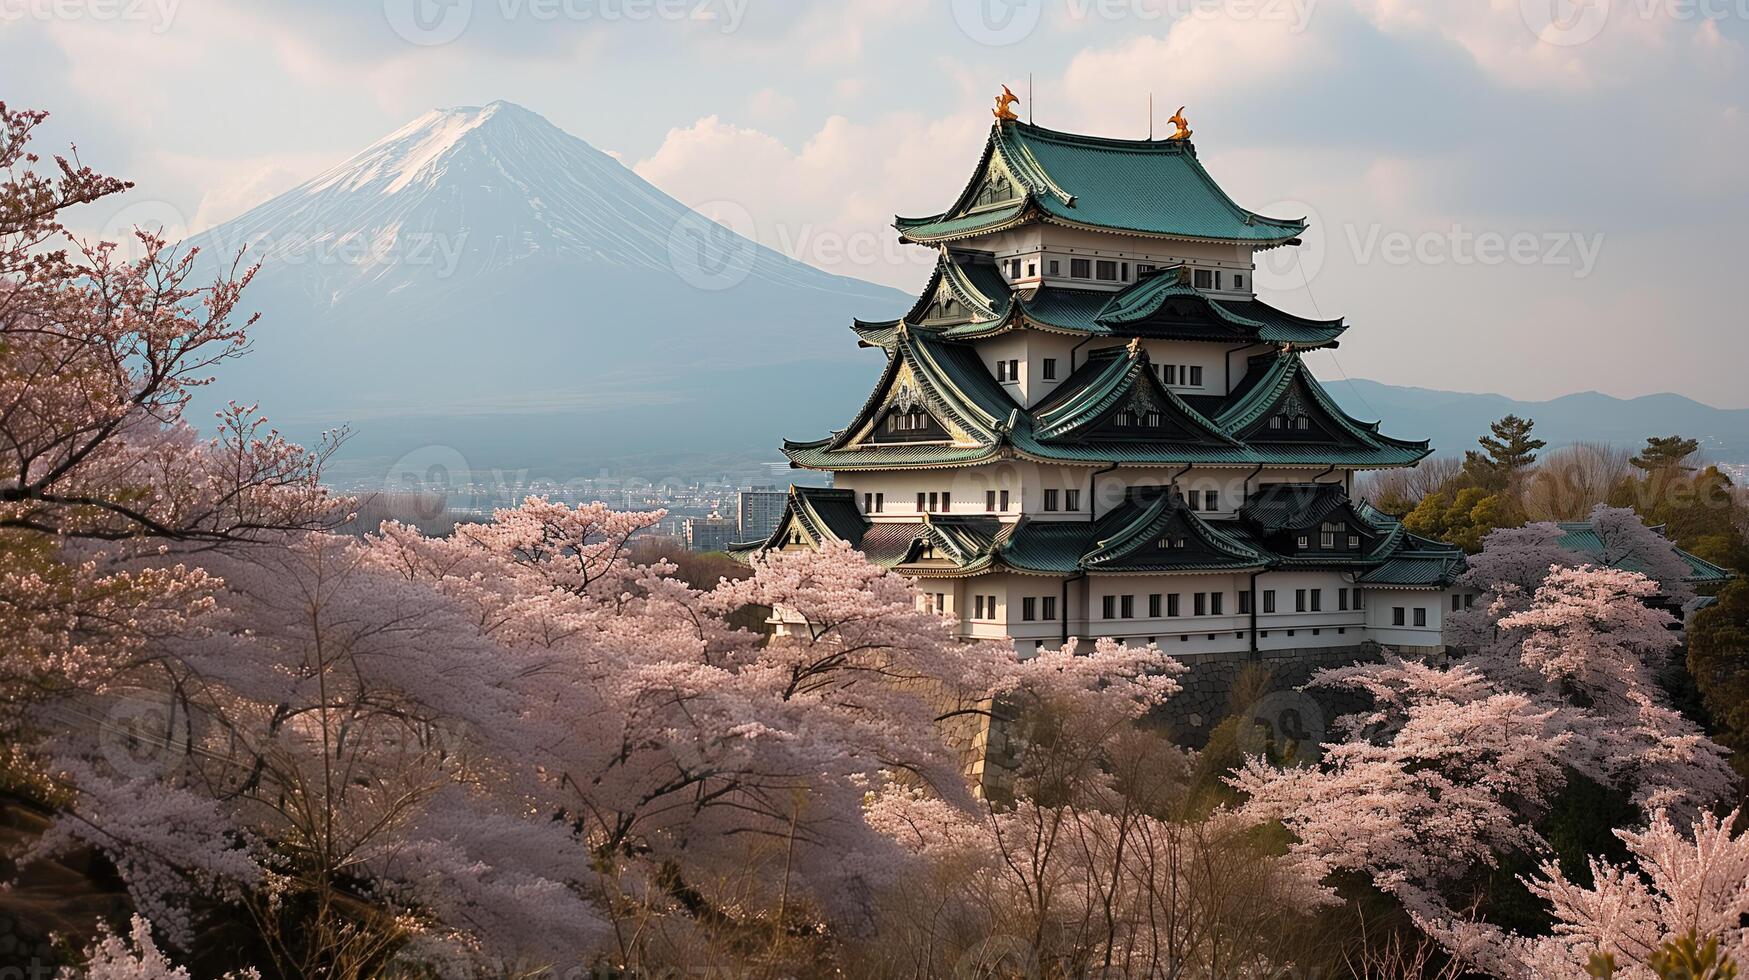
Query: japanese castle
point(1090, 426)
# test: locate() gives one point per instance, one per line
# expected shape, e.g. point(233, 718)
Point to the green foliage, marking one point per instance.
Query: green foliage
point(1683, 958)
point(1665, 452)
point(1602, 965)
point(1700, 511)
point(1686, 958)
point(1718, 658)
point(1507, 451)
point(1463, 518)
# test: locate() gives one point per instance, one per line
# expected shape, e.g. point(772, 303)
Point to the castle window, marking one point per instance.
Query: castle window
point(880, 502)
point(1172, 605)
point(932, 501)
point(1341, 600)
point(1127, 607)
point(1420, 616)
point(990, 500)
point(1397, 615)
point(1050, 608)
point(946, 500)
point(1171, 373)
point(1244, 605)
point(1105, 270)
point(1353, 542)
point(1211, 500)
point(1154, 606)
point(868, 503)
point(1303, 543)
point(1122, 420)
point(1001, 370)
point(1317, 600)
point(1194, 499)
point(1071, 500)
point(1055, 268)
point(1004, 499)
point(1277, 422)
point(1238, 280)
point(1217, 278)
point(1108, 607)
point(1050, 500)
point(1080, 269)
point(1216, 601)
point(1268, 601)
point(1050, 369)
point(1202, 278)
point(1014, 369)
point(1299, 600)
point(1126, 271)
point(1196, 376)
point(1031, 269)
point(922, 500)
point(1028, 609)
point(1201, 603)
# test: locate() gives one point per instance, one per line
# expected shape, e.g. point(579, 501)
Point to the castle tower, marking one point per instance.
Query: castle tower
point(1090, 426)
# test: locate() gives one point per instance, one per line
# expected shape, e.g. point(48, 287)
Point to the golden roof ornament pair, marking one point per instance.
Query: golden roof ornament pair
point(1006, 101)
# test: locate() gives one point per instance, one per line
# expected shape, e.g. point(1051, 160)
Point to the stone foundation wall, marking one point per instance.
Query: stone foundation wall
point(1264, 687)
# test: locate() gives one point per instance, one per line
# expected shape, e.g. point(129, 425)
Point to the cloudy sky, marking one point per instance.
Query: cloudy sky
point(1525, 196)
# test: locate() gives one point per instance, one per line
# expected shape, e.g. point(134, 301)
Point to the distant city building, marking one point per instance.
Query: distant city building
point(758, 511)
point(711, 533)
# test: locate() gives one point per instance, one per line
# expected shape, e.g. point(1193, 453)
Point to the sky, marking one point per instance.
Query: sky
point(1531, 197)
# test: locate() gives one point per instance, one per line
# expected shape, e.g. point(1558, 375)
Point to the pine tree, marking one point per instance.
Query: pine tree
point(1665, 452)
point(1508, 450)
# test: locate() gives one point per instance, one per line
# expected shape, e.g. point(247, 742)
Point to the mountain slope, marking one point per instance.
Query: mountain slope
point(1454, 420)
point(482, 280)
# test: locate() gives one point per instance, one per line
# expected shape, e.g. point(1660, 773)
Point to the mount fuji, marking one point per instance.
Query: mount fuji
point(481, 283)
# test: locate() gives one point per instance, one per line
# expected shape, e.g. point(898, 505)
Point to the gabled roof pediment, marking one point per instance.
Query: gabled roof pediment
point(1280, 402)
point(1118, 384)
point(1154, 531)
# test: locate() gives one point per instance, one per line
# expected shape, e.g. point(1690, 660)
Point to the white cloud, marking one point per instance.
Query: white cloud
point(830, 202)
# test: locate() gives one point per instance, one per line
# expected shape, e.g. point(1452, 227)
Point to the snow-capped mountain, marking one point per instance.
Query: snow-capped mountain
point(482, 280)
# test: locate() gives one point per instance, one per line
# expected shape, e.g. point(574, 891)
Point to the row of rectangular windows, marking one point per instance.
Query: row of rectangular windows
point(1008, 371)
point(1112, 270)
point(933, 502)
point(1237, 635)
point(1036, 608)
point(1210, 603)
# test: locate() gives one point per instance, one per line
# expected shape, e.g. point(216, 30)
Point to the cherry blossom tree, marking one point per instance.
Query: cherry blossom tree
point(104, 488)
point(1453, 765)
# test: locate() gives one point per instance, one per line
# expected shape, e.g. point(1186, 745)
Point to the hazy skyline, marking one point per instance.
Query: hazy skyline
point(1494, 209)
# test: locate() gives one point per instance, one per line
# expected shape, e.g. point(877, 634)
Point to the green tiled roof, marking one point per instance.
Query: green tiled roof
point(1149, 187)
point(955, 384)
point(1581, 538)
point(1152, 531)
point(992, 305)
